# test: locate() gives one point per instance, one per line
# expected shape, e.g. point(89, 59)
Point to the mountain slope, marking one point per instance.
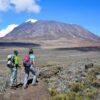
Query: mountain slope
point(50, 30)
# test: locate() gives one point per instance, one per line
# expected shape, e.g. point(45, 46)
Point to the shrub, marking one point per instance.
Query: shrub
point(76, 87)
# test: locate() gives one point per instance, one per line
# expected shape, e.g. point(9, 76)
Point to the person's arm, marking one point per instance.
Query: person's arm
point(33, 62)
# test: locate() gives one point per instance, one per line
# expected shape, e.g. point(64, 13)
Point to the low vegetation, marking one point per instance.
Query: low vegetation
point(63, 71)
point(85, 90)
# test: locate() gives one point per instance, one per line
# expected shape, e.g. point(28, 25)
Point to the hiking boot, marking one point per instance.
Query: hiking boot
point(35, 84)
point(25, 87)
point(37, 80)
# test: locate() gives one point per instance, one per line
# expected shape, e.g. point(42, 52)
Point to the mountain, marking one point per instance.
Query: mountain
point(52, 32)
point(7, 30)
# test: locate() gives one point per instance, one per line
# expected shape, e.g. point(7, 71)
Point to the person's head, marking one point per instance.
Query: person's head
point(15, 52)
point(31, 51)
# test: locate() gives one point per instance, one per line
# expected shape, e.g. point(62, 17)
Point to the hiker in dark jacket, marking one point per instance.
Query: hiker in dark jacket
point(29, 67)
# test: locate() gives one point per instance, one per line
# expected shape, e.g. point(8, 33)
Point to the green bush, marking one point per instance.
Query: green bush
point(76, 87)
point(53, 91)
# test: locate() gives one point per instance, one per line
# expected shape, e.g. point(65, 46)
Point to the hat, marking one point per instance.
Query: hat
point(30, 51)
point(15, 52)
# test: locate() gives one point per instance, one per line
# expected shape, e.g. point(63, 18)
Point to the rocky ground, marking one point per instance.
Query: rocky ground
point(64, 74)
point(80, 82)
point(38, 92)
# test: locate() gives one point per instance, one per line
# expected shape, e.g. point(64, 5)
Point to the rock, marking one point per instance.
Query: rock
point(96, 81)
point(49, 72)
point(90, 65)
point(98, 77)
point(83, 74)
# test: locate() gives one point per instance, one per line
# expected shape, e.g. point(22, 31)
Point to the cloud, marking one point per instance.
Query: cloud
point(26, 5)
point(20, 5)
point(5, 31)
point(4, 5)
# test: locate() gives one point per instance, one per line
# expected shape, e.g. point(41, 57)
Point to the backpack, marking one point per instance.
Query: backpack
point(26, 61)
point(10, 61)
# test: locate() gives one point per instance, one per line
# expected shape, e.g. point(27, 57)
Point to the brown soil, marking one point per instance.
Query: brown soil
point(38, 92)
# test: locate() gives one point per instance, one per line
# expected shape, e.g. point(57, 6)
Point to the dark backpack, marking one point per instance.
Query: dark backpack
point(26, 61)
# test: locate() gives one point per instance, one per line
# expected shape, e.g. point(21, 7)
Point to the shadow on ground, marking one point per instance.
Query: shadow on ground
point(83, 49)
point(38, 92)
point(29, 82)
point(18, 44)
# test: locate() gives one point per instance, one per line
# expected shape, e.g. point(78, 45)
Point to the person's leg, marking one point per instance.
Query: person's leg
point(11, 77)
point(26, 77)
point(15, 76)
point(32, 69)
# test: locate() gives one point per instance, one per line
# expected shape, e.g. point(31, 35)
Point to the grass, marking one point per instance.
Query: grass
point(81, 90)
point(55, 58)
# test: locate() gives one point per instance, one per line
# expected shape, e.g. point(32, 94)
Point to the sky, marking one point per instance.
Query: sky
point(82, 12)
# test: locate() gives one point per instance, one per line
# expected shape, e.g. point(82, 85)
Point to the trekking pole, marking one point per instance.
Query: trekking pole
point(37, 72)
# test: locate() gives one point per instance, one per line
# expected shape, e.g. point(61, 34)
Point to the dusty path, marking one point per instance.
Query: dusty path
point(38, 92)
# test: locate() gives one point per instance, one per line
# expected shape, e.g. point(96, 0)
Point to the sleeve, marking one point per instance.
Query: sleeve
point(33, 56)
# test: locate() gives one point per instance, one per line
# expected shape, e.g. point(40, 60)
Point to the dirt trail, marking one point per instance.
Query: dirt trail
point(38, 92)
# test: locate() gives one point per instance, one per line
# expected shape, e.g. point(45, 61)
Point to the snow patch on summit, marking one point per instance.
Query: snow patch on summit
point(31, 20)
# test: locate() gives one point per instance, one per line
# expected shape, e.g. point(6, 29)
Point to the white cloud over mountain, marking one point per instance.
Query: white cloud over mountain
point(5, 31)
point(20, 5)
point(9, 28)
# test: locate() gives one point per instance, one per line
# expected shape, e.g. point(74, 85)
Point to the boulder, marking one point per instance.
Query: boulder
point(47, 73)
point(90, 65)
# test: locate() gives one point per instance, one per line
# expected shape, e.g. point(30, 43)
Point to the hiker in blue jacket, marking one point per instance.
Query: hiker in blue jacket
point(29, 65)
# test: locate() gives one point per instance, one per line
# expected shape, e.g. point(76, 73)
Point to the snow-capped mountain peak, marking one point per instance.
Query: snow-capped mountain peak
point(7, 30)
point(31, 20)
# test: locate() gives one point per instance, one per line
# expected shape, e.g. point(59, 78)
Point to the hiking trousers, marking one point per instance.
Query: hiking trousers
point(13, 77)
point(27, 71)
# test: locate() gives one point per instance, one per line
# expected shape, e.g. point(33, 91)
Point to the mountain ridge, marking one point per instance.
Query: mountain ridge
point(51, 30)
point(53, 33)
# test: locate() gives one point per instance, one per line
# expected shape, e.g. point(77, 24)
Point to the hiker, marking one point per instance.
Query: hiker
point(13, 63)
point(29, 65)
